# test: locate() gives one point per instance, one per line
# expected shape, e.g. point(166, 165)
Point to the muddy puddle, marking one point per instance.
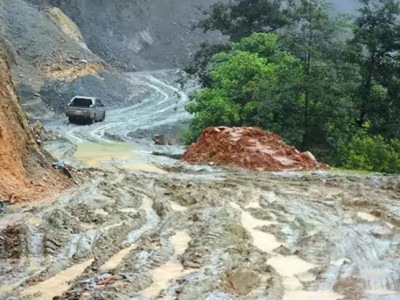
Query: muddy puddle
point(110, 156)
point(287, 266)
point(371, 218)
point(58, 284)
point(304, 295)
point(164, 275)
point(114, 261)
point(262, 240)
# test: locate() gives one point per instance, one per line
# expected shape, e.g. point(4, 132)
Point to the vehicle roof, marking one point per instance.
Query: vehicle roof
point(85, 97)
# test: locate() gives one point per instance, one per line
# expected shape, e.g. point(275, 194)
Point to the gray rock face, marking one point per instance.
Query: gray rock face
point(38, 48)
point(139, 34)
point(152, 34)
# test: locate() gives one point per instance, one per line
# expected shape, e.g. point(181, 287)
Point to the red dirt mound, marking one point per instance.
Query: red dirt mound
point(248, 148)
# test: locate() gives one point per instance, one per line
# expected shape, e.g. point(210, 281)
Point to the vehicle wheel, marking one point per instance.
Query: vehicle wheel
point(104, 117)
point(71, 120)
point(92, 120)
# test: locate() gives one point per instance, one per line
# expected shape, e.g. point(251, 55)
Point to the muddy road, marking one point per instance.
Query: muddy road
point(145, 227)
point(124, 139)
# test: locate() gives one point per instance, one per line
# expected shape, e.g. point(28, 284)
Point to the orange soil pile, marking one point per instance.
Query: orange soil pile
point(25, 171)
point(248, 148)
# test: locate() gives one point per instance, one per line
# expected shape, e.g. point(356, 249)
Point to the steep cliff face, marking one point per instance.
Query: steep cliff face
point(139, 34)
point(25, 172)
point(147, 34)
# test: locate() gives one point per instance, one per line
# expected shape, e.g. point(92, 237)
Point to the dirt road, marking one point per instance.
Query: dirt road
point(189, 232)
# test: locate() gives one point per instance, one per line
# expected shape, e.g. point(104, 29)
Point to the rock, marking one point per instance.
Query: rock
point(168, 154)
point(311, 156)
point(159, 139)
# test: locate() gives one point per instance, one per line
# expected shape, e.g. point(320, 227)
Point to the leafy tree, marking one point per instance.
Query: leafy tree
point(313, 38)
point(210, 108)
point(372, 153)
point(247, 89)
point(374, 48)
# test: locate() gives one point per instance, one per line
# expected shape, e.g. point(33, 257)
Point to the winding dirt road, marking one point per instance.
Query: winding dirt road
point(164, 105)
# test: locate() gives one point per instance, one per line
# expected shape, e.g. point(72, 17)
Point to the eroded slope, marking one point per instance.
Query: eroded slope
point(24, 168)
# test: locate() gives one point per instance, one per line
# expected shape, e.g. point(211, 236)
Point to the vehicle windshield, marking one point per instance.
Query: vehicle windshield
point(81, 102)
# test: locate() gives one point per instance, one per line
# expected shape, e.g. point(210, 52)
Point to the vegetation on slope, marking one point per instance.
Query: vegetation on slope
point(289, 69)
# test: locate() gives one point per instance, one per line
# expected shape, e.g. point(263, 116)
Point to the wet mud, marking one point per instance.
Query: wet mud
point(219, 235)
point(148, 227)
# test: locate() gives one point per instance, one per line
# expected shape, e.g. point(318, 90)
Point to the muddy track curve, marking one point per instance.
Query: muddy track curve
point(163, 105)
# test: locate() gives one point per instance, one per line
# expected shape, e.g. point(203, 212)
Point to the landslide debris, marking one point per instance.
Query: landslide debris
point(25, 173)
point(248, 148)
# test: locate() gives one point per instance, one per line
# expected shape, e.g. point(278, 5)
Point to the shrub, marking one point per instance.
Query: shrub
point(372, 153)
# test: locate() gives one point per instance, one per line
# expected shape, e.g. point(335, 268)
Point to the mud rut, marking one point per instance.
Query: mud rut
point(204, 233)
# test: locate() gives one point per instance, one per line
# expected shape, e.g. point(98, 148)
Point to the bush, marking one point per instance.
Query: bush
point(372, 154)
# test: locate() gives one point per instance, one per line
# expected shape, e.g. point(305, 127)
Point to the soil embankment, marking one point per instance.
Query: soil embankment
point(24, 169)
point(249, 148)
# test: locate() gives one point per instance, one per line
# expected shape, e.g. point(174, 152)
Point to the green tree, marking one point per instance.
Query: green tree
point(328, 86)
point(210, 108)
point(372, 153)
point(374, 48)
point(247, 89)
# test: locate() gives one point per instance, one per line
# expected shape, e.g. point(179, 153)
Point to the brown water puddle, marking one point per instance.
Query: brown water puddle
point(111, 155)
point(305, 295)
point(176, 207)
point(163, 276)
point(142, 167)
point(180, 241)
point(371, 218)
point(56, 285)
point(262, 240)
point(115, 260)
point(289, 266)
point(101, 155)
point(170, 271)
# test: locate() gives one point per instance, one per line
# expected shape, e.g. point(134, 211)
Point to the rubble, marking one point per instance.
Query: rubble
point(249, 148)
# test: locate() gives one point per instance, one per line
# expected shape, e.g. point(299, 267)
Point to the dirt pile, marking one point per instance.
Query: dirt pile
point(24, 169)
point(248, 148)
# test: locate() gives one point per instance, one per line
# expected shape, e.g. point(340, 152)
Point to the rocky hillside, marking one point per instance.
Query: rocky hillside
point(150, 34)
point(50, 61)
point(139, 34)
point(25, 172)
